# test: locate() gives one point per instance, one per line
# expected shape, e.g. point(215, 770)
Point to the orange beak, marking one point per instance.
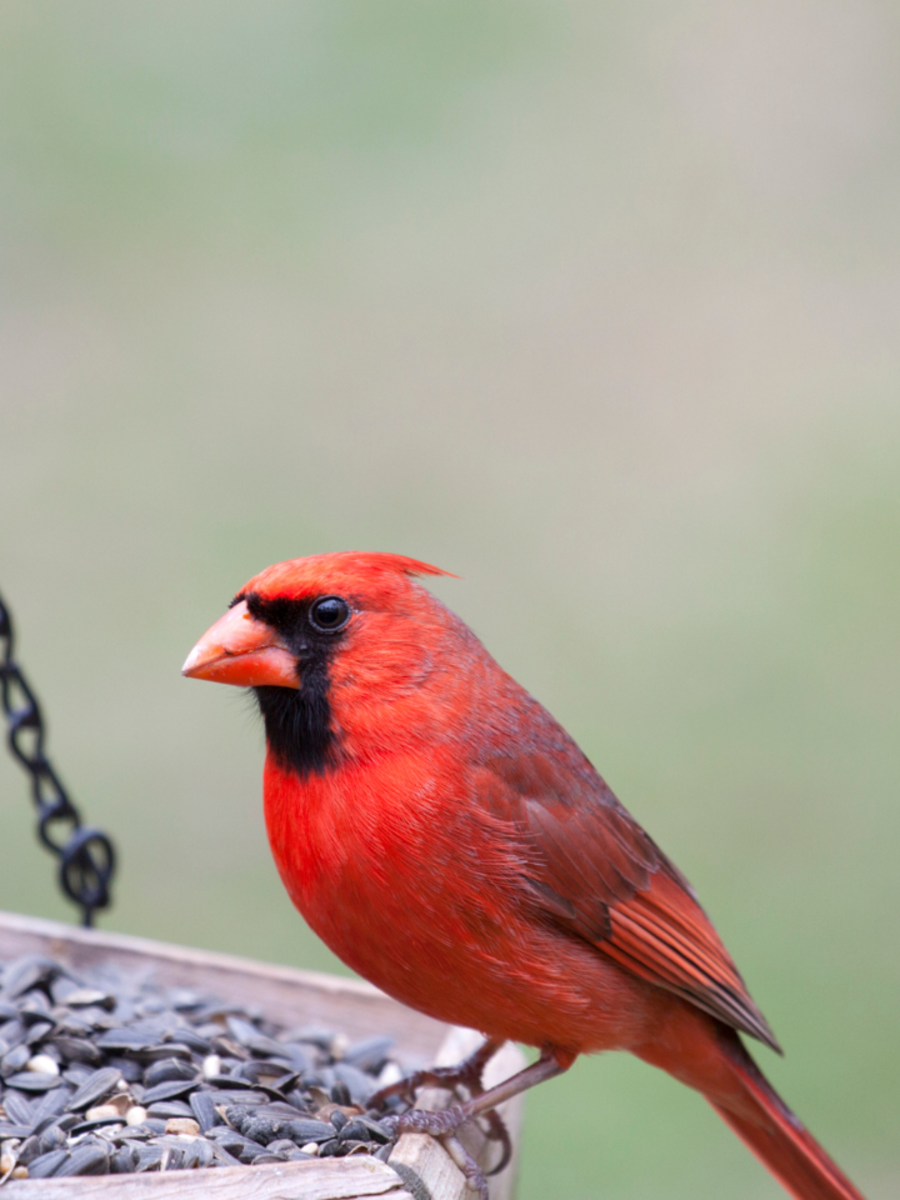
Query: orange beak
point(242, 651)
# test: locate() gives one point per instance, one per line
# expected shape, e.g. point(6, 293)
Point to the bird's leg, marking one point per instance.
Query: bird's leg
point(468, 1073)
point(444, 1124)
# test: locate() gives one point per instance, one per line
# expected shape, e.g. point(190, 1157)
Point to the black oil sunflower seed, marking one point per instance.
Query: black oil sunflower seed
point(310, 1131)
point(29, 1150)
point(87, 1159)
point(170, 1089)
point(33, 1081)
point(18, 1109)
point(203, 1106)
point(46, 1165)
point(164, 1109)
point(143, 1050)
point(131, 1040)
point(97, 1087)
point(369, 1054)
point(26, 972)
point(125, 1160)
point(76, 1049)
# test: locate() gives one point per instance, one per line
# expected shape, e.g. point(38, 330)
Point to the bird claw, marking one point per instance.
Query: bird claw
point(466, 1074)
point(444, 1125)
point(497, 1132)
point(474, 1176)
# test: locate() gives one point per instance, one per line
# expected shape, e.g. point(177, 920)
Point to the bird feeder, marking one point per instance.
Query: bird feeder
point(418, 1167)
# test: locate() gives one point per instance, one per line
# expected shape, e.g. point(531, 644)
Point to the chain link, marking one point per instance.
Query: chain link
point(86, 855)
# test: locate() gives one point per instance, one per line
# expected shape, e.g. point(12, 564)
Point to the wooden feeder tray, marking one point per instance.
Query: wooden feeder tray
point(419, 1167)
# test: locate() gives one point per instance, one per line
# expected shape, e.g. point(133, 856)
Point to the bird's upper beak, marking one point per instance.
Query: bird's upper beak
point(240, 650)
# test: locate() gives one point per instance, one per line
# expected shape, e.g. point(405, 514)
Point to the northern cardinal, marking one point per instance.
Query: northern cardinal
point(450, 842)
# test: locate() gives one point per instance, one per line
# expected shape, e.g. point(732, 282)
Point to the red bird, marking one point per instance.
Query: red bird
point(450, 842)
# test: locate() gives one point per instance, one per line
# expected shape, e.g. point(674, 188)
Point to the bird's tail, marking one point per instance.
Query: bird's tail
point(742, 1096)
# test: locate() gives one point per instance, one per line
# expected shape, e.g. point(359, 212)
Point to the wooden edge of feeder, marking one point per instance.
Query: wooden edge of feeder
point(419, 1168)
point(349, 1178)
point(352, 1004)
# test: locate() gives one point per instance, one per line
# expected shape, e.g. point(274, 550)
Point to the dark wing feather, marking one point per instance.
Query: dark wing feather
point(595, 872)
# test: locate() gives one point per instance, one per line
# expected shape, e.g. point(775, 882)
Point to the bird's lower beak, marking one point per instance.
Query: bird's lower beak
point(242, 651)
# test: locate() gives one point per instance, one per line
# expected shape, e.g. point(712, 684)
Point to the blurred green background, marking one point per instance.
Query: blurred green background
point(597, 305)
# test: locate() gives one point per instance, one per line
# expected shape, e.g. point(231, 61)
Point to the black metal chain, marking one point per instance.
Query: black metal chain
point(87, 858)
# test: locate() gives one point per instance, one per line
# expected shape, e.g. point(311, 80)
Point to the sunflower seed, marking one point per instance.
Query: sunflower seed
point(18, 1108)
point(46, 1165)
point(28, 1150)
point(97, 1087)
point(10, 1130)
point(369, 1054)
point(168, 1090)
point(310, 1131)
point(75, 1049)
point(199, 1154)
point(77, 1074)
point(358, 1083)
point(37, 1032)
point(32, 1007)
point(95, 1068)
point(166, 1069)
point(203, 1106)
point(49, 1106)
point(125, 1039)
point(149, 1158)
point(178, 1049)
point(24, 973)
point(124, 1160)
point(87, 1159)
point(221, 1156)
point(33, 1081)
point(164, 1109)
point(12, 1034)
point(193, 1040)
point(318, 1035)
point(97, 1123)
point(52, 1138)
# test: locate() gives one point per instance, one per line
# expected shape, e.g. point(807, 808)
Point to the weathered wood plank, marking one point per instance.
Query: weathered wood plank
point(330, 1179)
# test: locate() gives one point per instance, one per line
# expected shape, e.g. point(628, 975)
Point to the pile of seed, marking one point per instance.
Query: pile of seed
point(105, 1072)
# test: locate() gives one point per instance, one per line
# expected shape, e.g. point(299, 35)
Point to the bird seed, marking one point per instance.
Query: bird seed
point(103, 1072)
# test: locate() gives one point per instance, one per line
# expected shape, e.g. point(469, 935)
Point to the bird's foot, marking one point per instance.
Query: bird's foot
point(444, 1126)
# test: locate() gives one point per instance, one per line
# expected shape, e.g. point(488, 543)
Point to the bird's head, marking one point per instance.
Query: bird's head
point(326, 642)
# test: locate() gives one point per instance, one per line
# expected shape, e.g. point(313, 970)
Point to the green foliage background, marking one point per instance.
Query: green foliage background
point(594, 304)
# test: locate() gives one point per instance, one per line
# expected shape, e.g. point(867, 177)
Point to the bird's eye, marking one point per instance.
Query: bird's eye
point(330, 613)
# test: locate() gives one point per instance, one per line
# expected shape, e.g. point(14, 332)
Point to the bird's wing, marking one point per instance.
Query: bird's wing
point(593, 871)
